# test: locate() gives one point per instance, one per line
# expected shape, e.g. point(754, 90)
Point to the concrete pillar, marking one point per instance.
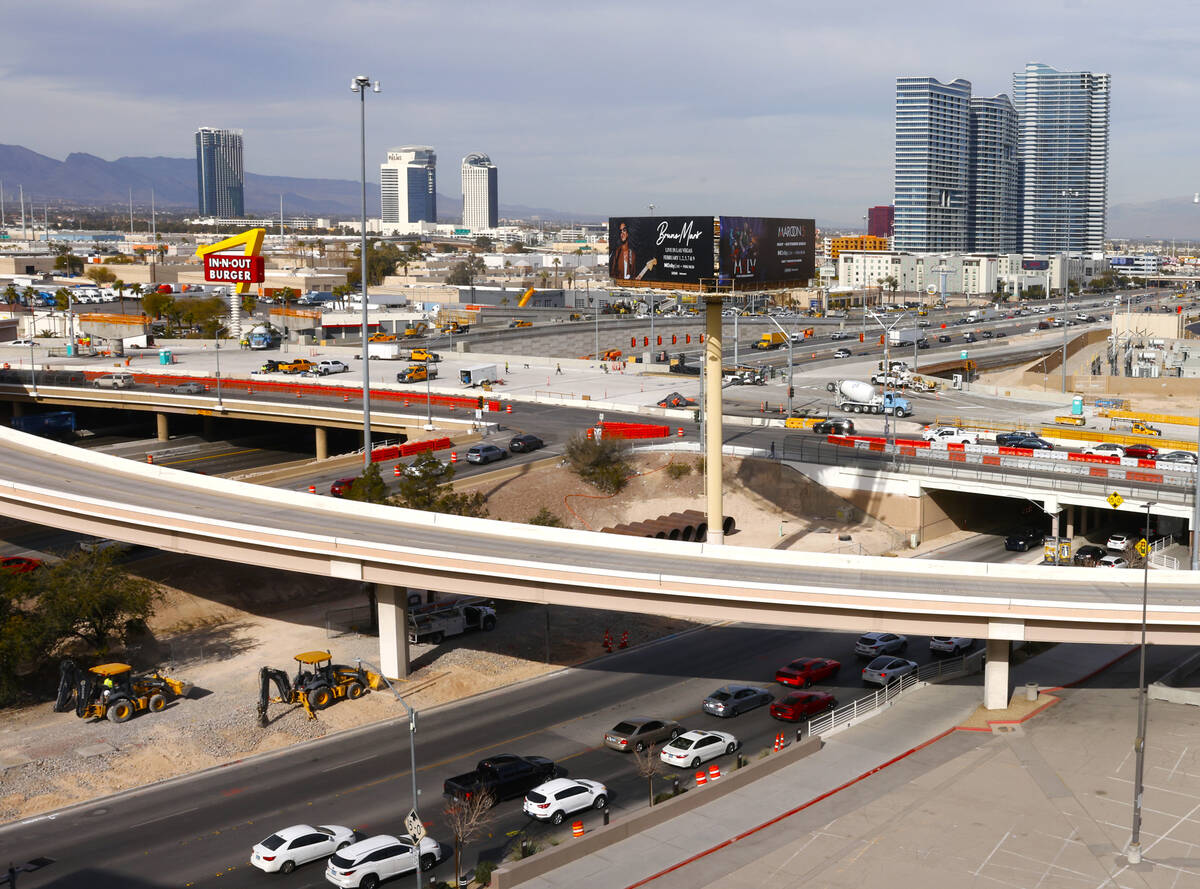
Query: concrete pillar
point(206, 428)
point(995, 675)
point(1083, 517)
point(712, 415)
point(163, 433)
point(322, 443)
point(392, 607)
point(1070, 510)
point(18, 408)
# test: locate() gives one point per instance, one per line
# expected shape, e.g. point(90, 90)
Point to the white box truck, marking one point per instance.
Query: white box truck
point(478, 375)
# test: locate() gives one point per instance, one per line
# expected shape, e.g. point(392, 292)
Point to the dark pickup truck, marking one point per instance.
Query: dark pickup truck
point(504, 777)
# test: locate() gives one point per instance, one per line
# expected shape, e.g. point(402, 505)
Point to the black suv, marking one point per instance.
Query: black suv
point(834, 426)
point(525, 442)
point(1023, 540)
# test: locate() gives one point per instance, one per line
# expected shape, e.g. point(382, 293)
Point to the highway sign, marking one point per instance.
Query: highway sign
point(1115, 500)
point(413, 825)
point(1142, 547)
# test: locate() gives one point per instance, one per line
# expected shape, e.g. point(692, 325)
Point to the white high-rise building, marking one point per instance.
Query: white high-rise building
point(408, 185)
point(932, 164)
point(1064, 158)
point(481, 192)
point(993, 206)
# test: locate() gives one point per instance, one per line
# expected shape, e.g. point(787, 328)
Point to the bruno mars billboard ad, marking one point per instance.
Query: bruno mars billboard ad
point(660, 249)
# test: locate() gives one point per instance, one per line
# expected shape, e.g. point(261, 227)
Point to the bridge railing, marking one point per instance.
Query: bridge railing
point(1078, 477)
point(856, 711)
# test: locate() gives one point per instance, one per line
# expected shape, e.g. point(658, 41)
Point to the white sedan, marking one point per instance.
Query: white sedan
point(25, 343)
point(692, 748)
point(560, 797)
point(299, 844)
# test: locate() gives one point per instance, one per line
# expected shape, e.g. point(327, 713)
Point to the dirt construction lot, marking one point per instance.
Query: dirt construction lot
point(221, 622)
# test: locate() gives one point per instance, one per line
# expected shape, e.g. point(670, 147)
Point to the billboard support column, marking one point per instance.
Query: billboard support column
point(712, 411)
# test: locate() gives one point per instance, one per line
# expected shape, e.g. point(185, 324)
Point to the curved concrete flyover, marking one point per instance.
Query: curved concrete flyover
point(58, 485)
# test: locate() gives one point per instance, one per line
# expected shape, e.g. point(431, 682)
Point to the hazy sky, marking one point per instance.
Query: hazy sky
point(771, 108)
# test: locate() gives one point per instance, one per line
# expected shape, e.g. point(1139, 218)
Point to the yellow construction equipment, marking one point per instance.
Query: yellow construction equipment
point(113, 692)
point(416, 328)
point(1071, 420)
point(318, 683)
point(525, 298)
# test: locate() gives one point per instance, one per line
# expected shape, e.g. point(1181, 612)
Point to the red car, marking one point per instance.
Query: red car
point(1142, 452)
point(19, 564)
point(802, 704)
point(341, 486)
point(804, 671)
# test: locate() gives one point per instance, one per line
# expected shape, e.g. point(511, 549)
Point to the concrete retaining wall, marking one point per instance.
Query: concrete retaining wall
point(517, 872)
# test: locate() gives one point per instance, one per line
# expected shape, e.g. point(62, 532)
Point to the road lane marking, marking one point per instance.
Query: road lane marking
point(209, 457)
point(165, 817)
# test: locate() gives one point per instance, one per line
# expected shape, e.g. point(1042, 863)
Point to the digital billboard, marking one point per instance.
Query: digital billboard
point(660, 249)
point(756, 249)
point(1122, 261)
point(1034, 265)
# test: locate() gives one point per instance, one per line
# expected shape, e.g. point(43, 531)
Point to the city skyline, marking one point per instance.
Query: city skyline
point(606, 119)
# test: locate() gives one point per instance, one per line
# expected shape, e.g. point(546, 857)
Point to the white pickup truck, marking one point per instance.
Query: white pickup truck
point(949, 435)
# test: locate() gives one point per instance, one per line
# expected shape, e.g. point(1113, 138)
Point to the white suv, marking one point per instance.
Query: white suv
point(114, 381)
point(952, 645)
point(366, 863)
point(330, 366)
point(556, 799)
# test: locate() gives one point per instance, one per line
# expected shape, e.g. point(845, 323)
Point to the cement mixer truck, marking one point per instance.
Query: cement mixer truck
point(857, 397)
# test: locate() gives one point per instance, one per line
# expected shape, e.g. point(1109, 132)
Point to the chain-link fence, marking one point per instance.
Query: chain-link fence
point(354, 621)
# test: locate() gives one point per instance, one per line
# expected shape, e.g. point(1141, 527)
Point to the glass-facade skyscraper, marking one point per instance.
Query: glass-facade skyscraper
point(220, 177)
point(993, 203)
point(408, 185)
point(481, 192)
point(1064, 158)
point(932, 165)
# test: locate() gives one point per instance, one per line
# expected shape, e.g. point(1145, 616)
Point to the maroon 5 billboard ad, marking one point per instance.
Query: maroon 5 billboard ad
point(660, 249)
point(762, 250)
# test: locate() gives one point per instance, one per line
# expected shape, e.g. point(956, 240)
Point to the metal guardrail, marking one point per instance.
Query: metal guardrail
point(855, 711)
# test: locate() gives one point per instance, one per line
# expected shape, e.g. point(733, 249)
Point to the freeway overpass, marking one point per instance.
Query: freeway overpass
point(64, 487)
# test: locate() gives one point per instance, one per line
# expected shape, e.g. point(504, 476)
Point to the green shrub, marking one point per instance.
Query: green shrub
point(679, 470)
point(483, 872)
point(600, 463)
point(545, 518)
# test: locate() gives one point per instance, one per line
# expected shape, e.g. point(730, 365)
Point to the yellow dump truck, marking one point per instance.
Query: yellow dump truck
point(1071, 421)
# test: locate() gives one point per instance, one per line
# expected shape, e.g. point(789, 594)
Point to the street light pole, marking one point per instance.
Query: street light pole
point(789, 345)
point(428, 398)
point(1134, 852)
point(359, 85)
point(1068, 194)
point(32, 366)
point(887, 370)
point(220, 406)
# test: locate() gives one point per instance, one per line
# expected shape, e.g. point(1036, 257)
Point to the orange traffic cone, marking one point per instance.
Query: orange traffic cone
point(701, 778)
point(577, 829)
point(714, 772)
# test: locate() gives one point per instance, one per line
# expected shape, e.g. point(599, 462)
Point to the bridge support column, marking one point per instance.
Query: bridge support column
point(163, 433)
point(207, 428)
point(18, 408)
point(322, 443)
point(392, 608)
point(712, 413)
point(1083, 517)
point(1070, 510)
point(995, 675)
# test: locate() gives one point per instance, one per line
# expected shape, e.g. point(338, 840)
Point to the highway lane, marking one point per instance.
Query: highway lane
point(36, 468)
point(197, 831)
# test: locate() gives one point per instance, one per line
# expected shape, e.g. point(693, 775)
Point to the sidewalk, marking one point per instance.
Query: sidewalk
point(658, 857)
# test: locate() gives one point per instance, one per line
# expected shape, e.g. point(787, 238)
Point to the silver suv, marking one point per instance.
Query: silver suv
point(114, 381)
point(873, 644)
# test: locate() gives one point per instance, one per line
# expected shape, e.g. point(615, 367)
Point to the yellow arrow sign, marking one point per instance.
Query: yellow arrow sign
point(1115, 500)
point(1142, 547)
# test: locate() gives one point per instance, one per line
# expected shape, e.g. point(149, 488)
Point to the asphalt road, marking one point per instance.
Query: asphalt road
point(197, 831)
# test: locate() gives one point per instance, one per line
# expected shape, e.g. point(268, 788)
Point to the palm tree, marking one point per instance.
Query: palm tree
point(119, 286)
point(10, 294)
point(137, 290)
point(557, 262)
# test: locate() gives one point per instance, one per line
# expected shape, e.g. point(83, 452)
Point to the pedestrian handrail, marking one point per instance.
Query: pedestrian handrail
point(855, 711)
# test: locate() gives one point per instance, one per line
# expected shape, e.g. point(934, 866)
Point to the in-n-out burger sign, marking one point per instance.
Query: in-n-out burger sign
point(241, 269)
point(222, 267)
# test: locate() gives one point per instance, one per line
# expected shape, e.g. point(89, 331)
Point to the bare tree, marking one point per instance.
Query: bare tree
point(467, 820)
point(648, 766)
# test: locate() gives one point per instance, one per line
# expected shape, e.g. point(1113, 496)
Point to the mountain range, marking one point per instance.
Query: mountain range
point(84, 180)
